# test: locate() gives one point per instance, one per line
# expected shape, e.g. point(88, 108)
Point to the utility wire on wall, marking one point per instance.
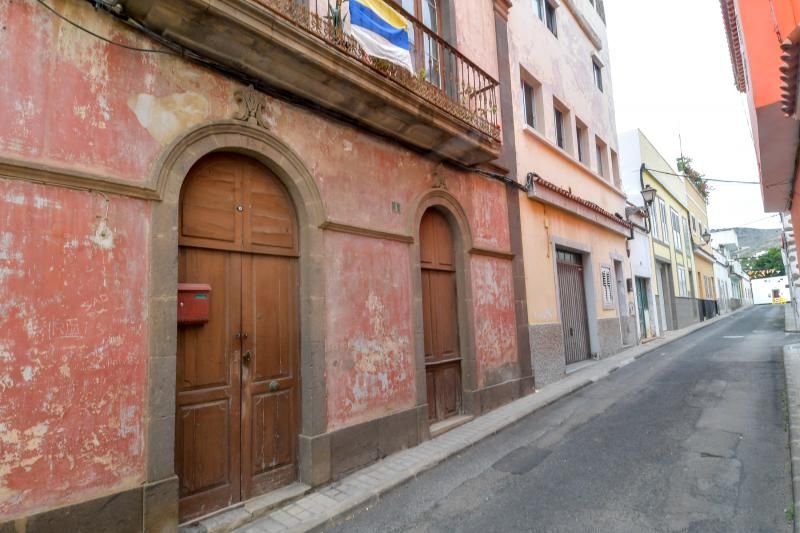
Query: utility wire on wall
point(704, 178)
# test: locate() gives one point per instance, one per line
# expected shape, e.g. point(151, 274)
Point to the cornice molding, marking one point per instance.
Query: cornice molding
point(372, 233)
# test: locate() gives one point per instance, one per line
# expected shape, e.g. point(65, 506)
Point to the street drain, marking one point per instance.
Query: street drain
point(522, 460)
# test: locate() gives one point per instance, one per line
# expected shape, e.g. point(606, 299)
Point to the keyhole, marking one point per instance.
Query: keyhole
point(239, 208)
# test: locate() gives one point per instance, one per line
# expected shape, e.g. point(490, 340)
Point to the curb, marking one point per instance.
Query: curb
point(329, 504)
point(791, 365)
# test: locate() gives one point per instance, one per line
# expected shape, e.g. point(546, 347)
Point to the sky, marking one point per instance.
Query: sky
point(672, 78)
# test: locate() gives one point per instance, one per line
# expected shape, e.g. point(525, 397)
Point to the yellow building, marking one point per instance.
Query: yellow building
point(673, 256)
point(703, 252)
point(574, 235)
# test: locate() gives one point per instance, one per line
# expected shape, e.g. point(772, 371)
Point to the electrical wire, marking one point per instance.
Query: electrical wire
point(704, 179)
point(105, 39)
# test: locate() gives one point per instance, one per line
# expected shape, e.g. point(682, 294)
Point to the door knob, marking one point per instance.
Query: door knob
point(246, 356)
point(273, 385)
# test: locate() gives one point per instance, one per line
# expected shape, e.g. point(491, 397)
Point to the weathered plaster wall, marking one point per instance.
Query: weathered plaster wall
point(369, 349)
point(73, 345)
point(540, 266)
point(495, 328)
point(77, 103)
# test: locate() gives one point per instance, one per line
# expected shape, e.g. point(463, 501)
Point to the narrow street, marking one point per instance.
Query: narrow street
point(690, 438)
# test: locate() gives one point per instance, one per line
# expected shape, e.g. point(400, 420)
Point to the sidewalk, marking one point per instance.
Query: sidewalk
point(791, 364)
point(366, 486)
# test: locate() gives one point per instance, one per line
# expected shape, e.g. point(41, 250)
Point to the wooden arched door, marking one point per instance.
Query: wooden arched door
point(237, 409)
point(440, 317)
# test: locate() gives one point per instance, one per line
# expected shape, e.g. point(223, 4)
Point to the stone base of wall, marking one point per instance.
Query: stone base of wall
point(151, 507)
point(608, 330)
point(687, 312)
point(547, 353)
point(735, 303)
point(629, 330)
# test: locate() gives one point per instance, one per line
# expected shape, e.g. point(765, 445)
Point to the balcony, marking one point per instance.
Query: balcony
point(448, 106)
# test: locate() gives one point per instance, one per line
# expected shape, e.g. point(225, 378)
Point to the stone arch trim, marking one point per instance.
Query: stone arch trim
point(167, 179)
point(462, 233)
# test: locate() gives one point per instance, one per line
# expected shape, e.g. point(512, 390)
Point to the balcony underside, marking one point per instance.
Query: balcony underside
point(289, 51)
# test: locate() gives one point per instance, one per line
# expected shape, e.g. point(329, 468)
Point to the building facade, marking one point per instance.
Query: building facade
point(700, 237)
point(765, 68)
point(672, 252)
point(574, 233)
point(641, 259)
point(238, 252)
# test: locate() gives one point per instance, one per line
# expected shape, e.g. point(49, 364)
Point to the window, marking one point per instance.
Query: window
point(694, 224)
point(615, 169)
point(601, 154)
point(559, 118)
point(424, 51)
point(550, 17)
point(687, 241)
point(662, 209)
point(529, 104)
point(683, 289)
point(676, 231)
point(607, 286)
point(597, 71)
point(538, 8)
point(583, 141)
point(654, 223)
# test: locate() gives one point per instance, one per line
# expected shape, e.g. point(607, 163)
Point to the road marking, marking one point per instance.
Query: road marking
point(733, 337)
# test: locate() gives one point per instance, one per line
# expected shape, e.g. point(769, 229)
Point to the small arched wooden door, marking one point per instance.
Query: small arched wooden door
point(440, 317)
point(237, 409)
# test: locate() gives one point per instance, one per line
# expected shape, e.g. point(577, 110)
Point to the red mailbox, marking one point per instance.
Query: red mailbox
point(193, 300)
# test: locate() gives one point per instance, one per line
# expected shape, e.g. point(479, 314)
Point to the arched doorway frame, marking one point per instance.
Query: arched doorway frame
point(448, 205)
point(169, 175)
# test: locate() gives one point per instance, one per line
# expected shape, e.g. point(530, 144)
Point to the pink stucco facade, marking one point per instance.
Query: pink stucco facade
point(75, 265)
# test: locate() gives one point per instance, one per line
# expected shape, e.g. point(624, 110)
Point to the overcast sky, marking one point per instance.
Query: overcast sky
point(672, 76)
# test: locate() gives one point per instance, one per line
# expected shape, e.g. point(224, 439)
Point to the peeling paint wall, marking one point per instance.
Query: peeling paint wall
point(74, 279)
point(495, 326)
point(369, 343)
point(73, 345)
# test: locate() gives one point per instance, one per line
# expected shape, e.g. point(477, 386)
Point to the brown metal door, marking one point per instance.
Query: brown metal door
point(439, 315)
point(237, 380)
point(572, 296)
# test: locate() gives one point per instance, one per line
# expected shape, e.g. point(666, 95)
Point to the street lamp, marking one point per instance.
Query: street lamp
point(706, 237)
point(649, 195)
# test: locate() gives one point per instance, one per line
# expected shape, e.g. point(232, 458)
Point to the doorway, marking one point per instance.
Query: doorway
point(644, 307)
point(440, 317)
point(572, 296)
point(237, 379)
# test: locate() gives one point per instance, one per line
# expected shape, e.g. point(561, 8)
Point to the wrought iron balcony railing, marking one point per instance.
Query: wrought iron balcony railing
point(443, 76)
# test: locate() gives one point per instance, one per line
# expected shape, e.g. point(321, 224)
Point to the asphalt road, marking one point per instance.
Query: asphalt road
point(689, 438)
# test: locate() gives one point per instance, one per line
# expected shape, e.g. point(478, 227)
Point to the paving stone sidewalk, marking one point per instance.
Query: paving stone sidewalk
point(366, 486)
point(791, 364)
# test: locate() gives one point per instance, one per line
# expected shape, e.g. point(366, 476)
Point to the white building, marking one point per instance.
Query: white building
point(647, 325)
point(771, 290)
point(722, 275)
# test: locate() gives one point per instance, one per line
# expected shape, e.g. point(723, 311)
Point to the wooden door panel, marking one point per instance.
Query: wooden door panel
point(205, 350)
point(208, 387)
point(237, 375)
point(430, 385)
point(270, 220)
point(439, 317)
point(274, 317)
point(428, 329)
point(209, 199)
point(448, 389)
point(203, 430)
point(445, 321)
point(270, 378)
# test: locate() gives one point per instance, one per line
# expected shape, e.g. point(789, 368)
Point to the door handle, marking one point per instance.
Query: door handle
point(246, 356)
point(273, 385)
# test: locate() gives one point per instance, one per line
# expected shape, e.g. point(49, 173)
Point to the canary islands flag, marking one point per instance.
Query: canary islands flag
point(381, 31)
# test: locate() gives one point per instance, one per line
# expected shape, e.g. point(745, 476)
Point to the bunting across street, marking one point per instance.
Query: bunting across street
point(381, 31)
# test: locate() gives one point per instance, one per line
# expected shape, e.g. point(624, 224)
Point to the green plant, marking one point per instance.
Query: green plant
point(785, 402)
point(789, 511)
point(697, 179)
point(336, 16)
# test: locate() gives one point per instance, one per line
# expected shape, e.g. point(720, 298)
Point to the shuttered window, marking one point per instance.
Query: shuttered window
point(608, 291)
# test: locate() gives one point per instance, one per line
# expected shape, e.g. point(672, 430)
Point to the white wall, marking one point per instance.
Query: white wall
point(762, 289)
